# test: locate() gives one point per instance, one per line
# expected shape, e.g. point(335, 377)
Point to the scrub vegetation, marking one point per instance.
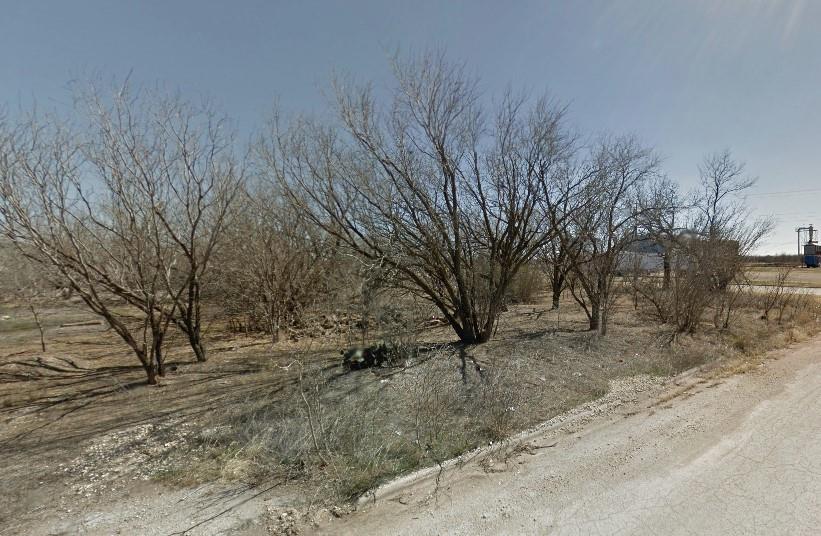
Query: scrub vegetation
point(340, 301)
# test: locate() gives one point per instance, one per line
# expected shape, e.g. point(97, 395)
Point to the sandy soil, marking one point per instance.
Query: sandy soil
point(698, 456)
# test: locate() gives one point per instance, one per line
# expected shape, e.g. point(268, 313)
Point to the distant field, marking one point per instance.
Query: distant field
point(799, 277)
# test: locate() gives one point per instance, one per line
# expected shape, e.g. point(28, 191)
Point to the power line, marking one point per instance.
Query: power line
point(785, 192)
point(793, 213)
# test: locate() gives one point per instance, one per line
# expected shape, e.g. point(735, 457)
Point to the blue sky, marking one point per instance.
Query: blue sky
point(688, 77)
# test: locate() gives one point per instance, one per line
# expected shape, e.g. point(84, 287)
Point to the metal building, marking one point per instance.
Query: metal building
point(810, 253)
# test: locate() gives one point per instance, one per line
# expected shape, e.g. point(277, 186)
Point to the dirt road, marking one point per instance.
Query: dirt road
point(733, 456)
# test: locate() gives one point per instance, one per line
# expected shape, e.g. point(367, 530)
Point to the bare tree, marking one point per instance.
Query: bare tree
point(127, 205)
point(618, 170)
point(275, 266)
point(177, 161)
point(21, 281)
point(556, 259)
point(728, 233)
point(661, 223)
point(706, 239)
point(428, 187)
point(563, 247)
point(662, 219)
point(96, 243)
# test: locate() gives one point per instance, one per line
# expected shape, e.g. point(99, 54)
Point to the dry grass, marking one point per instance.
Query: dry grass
point(342, 434)
point(334, 435)
point(799, 277)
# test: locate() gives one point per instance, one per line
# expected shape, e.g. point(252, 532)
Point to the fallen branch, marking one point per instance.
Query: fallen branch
point(84, 323)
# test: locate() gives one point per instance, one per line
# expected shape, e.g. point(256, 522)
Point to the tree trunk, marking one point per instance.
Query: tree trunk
point(557, 285)
point(39, 327)
point(486, 333)
point(466, 337)
point(151, 372)
point(468, 334)
point(199, 349)
point(598, 306)
point(192, 331)
point(603, 303)
point(595, 316)
point(192, 322)
point(158, 356)
point(191, 327)
point(273, 325)
point(666, 284)
point(467, 326)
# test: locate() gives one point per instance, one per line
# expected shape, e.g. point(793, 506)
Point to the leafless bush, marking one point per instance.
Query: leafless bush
point(273, 269)
point(428, 186)
point(526, 285)
point(777, 296)
point(21, 281)
point(98, 246)
point(499, 404)
point(171, 163)
point(791, 305)
point(705, 239)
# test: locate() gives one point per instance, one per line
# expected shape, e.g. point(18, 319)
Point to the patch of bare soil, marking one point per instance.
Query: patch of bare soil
point(80, 432)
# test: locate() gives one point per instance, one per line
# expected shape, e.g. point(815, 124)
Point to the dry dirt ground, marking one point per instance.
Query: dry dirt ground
point(82, 438)
point(84, 443)
point(732, 455)
point(798, 277)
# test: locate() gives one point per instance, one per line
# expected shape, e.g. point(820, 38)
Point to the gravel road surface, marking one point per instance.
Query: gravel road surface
point(739, 455)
